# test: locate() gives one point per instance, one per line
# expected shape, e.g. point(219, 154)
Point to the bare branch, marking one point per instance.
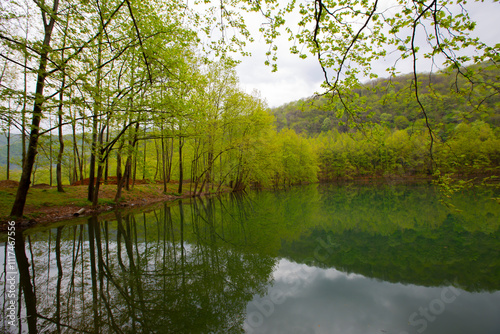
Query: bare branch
point(415, 78)
point(140, 40)
point(16, 62)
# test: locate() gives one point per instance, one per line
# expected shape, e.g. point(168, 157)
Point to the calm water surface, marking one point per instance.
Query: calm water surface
point(313, 259)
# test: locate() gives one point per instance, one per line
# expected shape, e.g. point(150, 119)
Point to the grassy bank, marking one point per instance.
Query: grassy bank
point(45, 204)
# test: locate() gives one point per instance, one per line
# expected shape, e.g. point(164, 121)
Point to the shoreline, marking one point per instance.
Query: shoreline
point(49, 211)
point(55, 209)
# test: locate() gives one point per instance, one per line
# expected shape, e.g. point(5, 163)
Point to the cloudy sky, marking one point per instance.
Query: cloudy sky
point(297, 78)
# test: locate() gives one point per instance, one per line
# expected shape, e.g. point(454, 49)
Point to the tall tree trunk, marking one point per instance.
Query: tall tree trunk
point(128, 166)
point(118, 195)
point(169, 159)
point(210, 157)
point(100, 168)
point(76, 157)
point(157, 159)
point(128, 169)
point(61, 139)
point(181, 170)
point(25, 97)
point(82, 165)
point(106, 169)
point(131, 156)
point(164, 161)
point(90, 193)
point(24, 183)
point(144, 158)
point(50, 150)
point(95, 198)
point(60, 114)
point(119, 164)
point(194, 167)
point(97, 108)
point(135, 165)
point(8, 143)
point(35, 167)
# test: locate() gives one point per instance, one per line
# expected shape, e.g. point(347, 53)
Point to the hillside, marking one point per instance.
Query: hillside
point(447, 98)
point(15, 151)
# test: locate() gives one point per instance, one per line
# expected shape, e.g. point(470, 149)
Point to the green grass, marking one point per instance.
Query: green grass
point(6, 200)
point(103, 201)
point(39, 198)
point(76, 196)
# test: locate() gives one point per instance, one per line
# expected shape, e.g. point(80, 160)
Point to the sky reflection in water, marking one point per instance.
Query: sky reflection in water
point(306, 299)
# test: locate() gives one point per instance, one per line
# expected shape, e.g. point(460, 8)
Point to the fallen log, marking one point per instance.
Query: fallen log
point(79, 212)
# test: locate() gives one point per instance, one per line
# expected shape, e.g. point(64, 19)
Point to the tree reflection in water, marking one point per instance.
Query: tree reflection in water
point(201, 267)
point(171, 270)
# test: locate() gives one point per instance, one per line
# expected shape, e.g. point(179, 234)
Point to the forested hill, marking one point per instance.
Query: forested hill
point(447, 98)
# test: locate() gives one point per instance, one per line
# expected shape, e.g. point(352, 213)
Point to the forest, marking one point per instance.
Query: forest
point(388, 135)
point(242, 143)
point(123, 92)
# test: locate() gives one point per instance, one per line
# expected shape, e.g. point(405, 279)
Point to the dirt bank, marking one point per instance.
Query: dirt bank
point(45, 205)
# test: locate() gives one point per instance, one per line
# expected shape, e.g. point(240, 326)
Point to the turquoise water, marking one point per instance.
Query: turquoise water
point(313, 259)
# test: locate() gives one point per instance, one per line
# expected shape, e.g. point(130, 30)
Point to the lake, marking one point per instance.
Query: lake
point(386, 258)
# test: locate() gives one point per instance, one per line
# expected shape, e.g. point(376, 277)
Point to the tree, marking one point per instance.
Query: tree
point(49, 16)
point(327, 125)
point(401, 122)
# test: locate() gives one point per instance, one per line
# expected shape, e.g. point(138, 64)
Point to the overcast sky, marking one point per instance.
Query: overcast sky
point(297, 78)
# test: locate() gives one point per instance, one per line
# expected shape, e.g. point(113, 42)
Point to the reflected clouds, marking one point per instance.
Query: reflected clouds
point(330, 301)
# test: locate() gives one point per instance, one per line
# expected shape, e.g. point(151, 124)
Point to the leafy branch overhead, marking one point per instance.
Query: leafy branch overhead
point(348, 35)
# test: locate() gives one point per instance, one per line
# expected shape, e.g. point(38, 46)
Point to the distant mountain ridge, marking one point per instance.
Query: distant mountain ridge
point(15, 150)
point(447, 98)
